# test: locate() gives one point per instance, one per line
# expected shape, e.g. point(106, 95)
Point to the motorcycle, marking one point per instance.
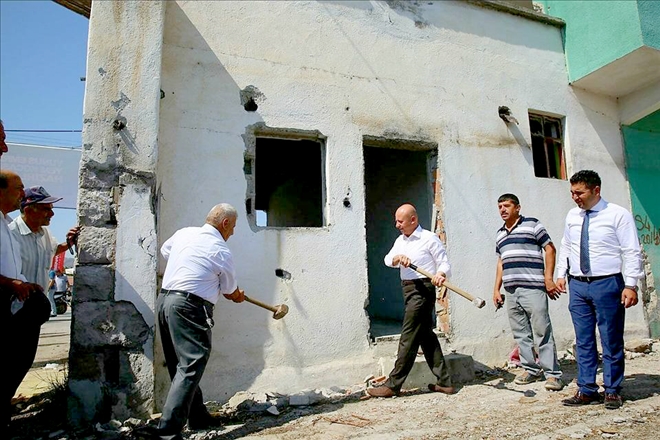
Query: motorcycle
point(62, 301)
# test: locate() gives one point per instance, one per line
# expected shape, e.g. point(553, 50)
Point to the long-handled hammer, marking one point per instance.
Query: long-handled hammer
point(479, 302)
point(278, 311)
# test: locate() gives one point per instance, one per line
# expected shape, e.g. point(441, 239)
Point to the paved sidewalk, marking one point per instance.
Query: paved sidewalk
point(50, 363)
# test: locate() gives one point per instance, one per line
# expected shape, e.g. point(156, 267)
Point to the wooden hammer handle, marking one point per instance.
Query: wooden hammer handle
point(449, 285)
point(260, 304)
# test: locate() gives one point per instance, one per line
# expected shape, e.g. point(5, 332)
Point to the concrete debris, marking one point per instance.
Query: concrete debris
point(273, 410)
point(132, 422)
point(639, 346)
point(299, 400)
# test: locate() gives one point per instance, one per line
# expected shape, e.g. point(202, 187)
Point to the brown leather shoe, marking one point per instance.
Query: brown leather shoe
point(438, 389)
point(583, 399)
point(613, 401)
point(381, 391)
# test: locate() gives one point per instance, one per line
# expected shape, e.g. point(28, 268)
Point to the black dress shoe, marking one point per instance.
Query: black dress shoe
point(206, 421)
point(151, 432)
point(439, 389)
point(583, 399)
point(146, 432)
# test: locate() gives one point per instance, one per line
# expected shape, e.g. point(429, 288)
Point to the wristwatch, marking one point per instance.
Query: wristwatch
point(635, 288)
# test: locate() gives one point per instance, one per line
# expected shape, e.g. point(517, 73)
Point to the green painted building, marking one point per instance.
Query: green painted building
point(613, 48)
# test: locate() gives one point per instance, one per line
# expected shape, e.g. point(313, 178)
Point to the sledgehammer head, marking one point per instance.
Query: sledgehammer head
point(281, 311)
point(479, 302)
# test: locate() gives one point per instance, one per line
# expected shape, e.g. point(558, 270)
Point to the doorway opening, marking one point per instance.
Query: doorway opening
point(396, 172)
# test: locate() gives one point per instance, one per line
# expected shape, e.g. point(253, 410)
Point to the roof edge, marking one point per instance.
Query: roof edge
point(82, 7)
point(503, 6)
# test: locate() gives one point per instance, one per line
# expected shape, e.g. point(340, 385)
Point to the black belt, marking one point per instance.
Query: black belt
point(595, 278)
point(189, 296)
point(418, 280)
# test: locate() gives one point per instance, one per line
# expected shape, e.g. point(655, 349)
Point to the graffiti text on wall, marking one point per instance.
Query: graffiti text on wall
point(648, 234)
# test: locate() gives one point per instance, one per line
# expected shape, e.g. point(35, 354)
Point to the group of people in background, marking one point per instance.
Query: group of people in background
point(27, 249)
point(599, 260)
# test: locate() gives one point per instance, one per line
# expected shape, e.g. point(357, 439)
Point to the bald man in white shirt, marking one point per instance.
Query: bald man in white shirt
point(424, 249)
point(600, 254)
point(199, 268)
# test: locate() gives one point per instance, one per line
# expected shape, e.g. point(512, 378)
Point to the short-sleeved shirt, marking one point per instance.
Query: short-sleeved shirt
point(10, 252)
point(37, 251)
point(521, 251)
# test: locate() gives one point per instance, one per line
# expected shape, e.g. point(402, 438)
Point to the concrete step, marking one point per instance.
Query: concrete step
point(460, 365)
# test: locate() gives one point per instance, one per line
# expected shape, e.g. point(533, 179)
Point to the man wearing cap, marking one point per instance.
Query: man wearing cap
point(38, 247)
point(21, 347)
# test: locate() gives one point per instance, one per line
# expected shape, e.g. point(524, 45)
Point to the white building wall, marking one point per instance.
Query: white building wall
point(436, 72)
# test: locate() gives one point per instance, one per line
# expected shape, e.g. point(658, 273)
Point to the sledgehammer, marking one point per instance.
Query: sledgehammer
point(479, 302)
point(279, 311)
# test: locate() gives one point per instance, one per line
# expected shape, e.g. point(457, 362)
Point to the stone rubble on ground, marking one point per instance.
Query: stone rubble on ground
point(246, 407)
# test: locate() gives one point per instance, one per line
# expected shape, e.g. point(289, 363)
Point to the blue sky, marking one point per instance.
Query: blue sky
point(43, 50)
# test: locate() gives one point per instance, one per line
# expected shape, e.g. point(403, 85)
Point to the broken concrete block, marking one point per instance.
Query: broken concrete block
point(241, 401)
point(639, 346)
point(298, 400)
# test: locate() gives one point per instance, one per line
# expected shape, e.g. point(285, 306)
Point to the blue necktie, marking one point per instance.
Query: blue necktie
point(585, 265)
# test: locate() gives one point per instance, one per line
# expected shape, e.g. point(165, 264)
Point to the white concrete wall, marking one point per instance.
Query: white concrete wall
point(435, 72)
point(113, 315)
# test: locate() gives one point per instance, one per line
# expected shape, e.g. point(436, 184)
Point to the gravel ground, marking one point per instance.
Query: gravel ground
point(491, 407)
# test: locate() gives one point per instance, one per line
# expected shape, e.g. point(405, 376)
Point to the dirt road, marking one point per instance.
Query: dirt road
point(491, 407)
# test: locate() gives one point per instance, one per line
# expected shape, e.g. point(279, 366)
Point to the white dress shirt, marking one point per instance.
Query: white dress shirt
point(37, 251)
point(10, 252)
point(199, 262)
point(425, 251)
point(613, 243)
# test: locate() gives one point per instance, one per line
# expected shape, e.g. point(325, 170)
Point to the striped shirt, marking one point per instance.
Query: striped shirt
point(37, 251)
point(521, 252)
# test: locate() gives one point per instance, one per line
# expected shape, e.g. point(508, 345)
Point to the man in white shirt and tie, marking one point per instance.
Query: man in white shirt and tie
point(600, 240)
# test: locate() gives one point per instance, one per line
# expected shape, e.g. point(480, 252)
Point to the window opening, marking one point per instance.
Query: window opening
point(288, 176)
point(547, 146)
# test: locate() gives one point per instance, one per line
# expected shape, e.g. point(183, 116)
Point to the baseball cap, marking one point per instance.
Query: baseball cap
point(37, 194)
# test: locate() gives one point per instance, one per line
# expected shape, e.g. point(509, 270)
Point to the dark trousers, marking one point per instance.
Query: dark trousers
point(186, 339)
point(598, 303)
point(417, 330)
point(21, 345)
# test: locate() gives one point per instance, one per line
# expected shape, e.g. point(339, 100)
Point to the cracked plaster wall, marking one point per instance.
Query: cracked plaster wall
point(111, 355)
point(435, 73)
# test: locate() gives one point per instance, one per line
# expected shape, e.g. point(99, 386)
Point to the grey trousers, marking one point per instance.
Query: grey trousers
point(530, 323)
point(186, 338)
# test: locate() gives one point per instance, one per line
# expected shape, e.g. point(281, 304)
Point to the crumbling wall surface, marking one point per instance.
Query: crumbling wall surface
point(111, 355)
point(649, 298)
point(177, 92)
